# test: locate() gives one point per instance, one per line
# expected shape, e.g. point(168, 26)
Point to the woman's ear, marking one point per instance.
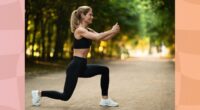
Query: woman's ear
point(82, 15)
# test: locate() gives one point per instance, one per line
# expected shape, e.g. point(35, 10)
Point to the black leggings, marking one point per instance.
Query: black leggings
point(78, 67)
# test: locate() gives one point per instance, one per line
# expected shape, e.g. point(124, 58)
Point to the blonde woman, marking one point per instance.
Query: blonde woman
point(78, 67)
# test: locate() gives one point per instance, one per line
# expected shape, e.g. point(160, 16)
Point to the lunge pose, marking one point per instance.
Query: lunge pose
point(78, 67)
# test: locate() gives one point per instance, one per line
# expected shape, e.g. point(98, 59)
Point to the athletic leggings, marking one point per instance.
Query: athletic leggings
point(78, 67)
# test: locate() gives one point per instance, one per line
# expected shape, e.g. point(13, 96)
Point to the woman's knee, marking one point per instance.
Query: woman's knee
point(65, 97)
point(105, 70)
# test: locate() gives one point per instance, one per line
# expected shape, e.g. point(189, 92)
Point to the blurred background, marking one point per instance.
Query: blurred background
point(140, 57)
point(147, 29)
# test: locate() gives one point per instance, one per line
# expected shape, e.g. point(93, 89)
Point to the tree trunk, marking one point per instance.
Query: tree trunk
point(59, 42)
point(34, 35)
point(49, 34)
point(43, 27)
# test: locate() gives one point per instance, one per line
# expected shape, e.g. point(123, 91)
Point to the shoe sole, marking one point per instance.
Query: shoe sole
point(108, 106)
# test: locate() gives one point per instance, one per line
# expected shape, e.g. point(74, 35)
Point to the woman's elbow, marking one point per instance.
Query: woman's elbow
point(97, 38)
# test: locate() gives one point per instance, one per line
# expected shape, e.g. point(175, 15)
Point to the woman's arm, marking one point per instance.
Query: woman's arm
point(93, 36)
point(105, 38)
point(108, 37)
point(82, 32)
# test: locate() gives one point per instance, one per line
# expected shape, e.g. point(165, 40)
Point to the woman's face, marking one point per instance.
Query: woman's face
point(88, 17)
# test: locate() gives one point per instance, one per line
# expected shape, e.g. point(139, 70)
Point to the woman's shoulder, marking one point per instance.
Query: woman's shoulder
point(78, 32)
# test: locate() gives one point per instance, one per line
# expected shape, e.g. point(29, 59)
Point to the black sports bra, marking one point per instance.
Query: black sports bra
point(82, 43)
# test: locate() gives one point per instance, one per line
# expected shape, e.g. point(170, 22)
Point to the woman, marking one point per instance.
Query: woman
point(78, 67)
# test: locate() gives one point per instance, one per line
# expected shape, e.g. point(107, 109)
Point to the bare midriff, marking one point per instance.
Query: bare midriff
point(81, 52)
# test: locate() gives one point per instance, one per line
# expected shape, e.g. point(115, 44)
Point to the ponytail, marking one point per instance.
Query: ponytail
point(74, 21)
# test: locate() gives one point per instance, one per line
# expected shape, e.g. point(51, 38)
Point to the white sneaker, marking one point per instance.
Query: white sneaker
point(108, 103)
point(35, 98)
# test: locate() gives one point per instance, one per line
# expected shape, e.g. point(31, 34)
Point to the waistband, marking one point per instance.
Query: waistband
point(79, 59)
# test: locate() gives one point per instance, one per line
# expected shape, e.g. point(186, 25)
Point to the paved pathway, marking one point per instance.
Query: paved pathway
point(140, 84)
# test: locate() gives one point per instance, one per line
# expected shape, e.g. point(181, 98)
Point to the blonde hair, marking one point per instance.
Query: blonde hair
point(76, 16)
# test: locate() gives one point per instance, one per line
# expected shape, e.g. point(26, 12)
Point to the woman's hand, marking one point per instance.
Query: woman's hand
point(115, 28)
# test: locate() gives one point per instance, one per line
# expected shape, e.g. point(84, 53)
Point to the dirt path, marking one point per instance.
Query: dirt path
point(134, 84)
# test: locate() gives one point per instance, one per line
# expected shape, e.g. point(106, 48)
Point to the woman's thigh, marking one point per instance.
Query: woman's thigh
point(92, 70)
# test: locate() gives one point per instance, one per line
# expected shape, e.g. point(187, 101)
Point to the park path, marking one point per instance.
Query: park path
point(136, 84)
